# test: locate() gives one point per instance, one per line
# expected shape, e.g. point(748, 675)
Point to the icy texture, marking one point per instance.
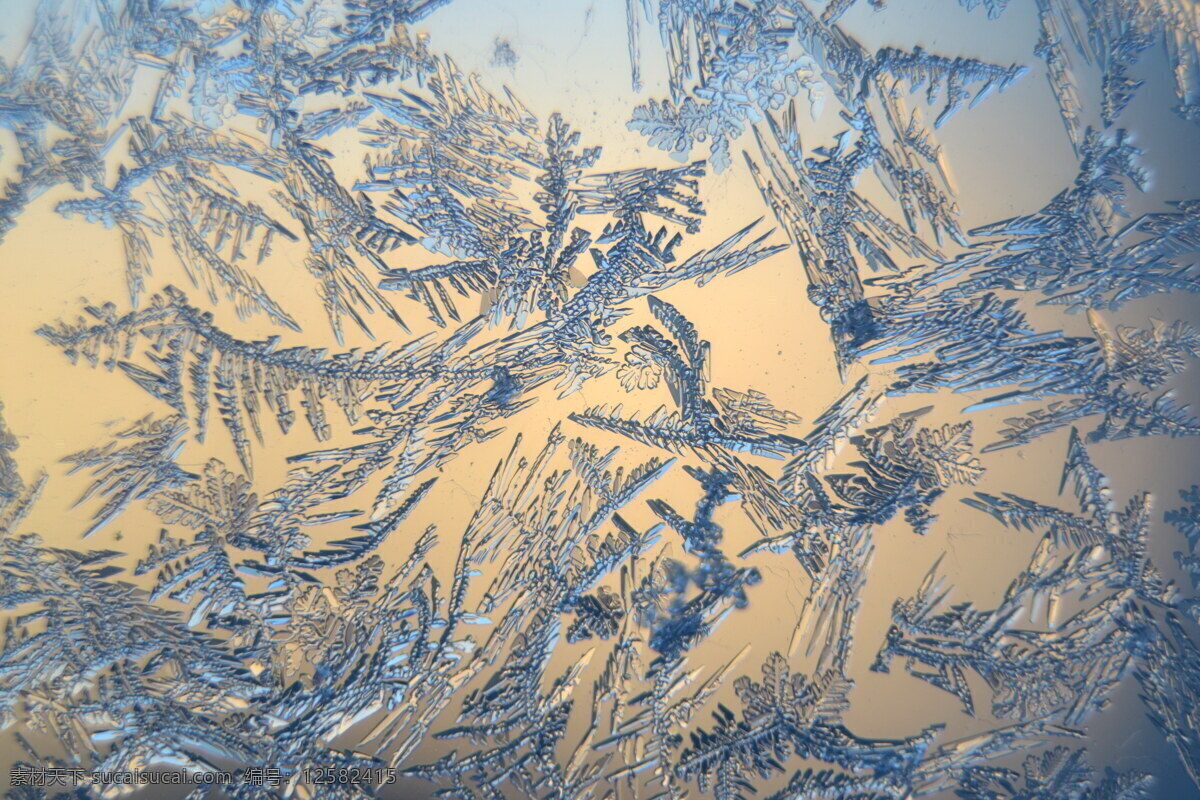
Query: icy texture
point(560, 628)
point(1187, 520)
point(1114, 35)
point(1038, 656)
point(1057, 773)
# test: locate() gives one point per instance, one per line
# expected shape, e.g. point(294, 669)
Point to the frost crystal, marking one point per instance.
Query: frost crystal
point(425, 589)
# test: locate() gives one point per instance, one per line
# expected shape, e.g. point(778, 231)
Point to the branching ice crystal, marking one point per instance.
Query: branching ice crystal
point(783, 715)
point(1187, 520)
point(1064, 663)
point(784, 46)
point(1072, 250)
point(1056, 773)
point(1114, 35)
point(353, 599)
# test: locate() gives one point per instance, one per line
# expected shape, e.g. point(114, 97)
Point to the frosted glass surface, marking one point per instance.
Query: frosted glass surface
point(490, 399)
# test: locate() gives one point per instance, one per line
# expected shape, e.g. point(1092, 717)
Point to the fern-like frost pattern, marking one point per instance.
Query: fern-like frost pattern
point(561, 627)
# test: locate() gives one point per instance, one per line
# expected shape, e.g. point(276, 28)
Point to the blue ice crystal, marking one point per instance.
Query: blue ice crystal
point(563, 631)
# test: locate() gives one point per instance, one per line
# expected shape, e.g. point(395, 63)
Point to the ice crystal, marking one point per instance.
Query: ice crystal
point(1170, 685)
point(1065, 663)
point(787, 714)
point(1118, 375)
point(817, 198)
point(1187, 520)
point(1056, 773)
point(1114, 35)
point(1072, 251)
point(351, 598)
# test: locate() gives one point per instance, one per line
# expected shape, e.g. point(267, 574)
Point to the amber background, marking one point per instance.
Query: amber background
point(1009, 155)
